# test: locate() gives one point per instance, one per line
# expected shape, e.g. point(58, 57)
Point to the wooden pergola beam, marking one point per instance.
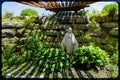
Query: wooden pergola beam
point(65, 8)
point(61, 6)
point(37, 4)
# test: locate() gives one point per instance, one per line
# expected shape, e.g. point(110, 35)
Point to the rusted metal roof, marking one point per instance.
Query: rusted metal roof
point(57, 6)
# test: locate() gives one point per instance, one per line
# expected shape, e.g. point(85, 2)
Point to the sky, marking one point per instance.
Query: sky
point(16, 7)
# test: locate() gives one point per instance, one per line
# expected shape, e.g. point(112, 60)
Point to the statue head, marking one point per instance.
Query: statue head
point(69, 30)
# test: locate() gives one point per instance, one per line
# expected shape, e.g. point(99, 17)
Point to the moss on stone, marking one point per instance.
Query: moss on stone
point(20, 30)
point(110, 24)
point(113, 31)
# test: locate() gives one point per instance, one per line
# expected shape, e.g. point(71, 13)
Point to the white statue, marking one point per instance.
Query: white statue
point(69, 43)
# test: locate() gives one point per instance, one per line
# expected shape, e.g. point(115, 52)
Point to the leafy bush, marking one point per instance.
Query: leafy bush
point(29, 12)
point(48, 59)
point(91, 57)
point(112, 67)
point(33, 45)
point(114, 58)
point(110, 9)
point(53, 60)
point(8, 56)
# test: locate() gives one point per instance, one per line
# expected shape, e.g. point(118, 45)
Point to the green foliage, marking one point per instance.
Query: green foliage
point(49, 59)
point(50, 22)
point(91, 57)
point(8, 14)
point(72, 23)
point(14, 19)
point(7, 53)
point(52, 60)
point(114, 58)
point(112, 67)
point(92, 21)
point(110, 9)
point(33, 45)
point(94, 15)
point(8, 56)
point(17, 19)
point(30, 20)
point(29, 12)
point(83, 12)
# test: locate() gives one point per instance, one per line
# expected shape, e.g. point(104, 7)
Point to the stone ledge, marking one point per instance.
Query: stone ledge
point(8, 32)
point(12, 25)
point(110, 24)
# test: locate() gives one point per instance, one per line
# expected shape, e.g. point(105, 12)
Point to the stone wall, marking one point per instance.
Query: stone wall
point(104, 32)
point(14, 33)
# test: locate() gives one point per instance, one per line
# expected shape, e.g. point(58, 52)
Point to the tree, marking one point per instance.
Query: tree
point(29, 12)
point(110, 9)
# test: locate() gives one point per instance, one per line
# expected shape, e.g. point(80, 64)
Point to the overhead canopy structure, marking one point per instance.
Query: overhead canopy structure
point(57, 6)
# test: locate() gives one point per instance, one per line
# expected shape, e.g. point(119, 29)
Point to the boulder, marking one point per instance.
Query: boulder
point(100, 19)
point(20, 31)
point(80, 26)
point(27, 32)
point(110, 24)
point(83, 39)
point(8, 32)
point(108, 18)
point(9, 40)
point(49, 39)
point(18, 24)
point(96, 34)
point(93, 25)
point(10, 25)
point(97, 40)
point(115, 18)
point(6, 25)
point(56, 40)
point(38, 19)
point(81, 19)
point(21, 40)
point(62, 27)
point(50, 33)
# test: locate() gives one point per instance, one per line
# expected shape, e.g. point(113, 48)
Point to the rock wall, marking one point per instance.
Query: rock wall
point(14, 33)
point(104, 32)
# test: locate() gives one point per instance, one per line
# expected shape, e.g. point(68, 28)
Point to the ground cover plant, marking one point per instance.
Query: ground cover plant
point(91, 57)
point(54, 59)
